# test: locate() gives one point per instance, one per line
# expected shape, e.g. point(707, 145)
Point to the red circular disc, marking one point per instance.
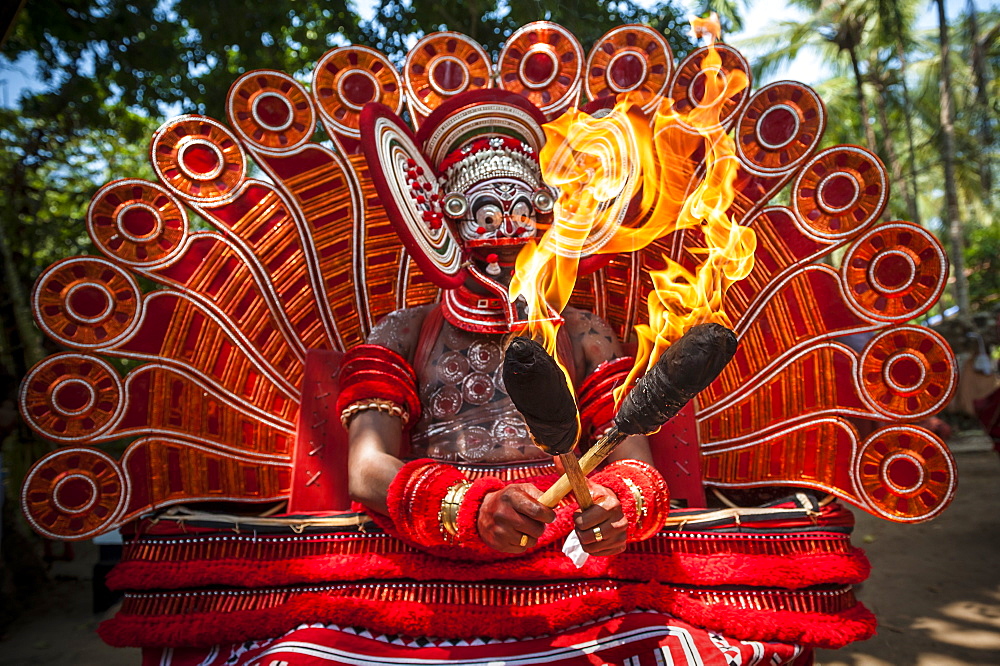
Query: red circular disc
point(71, 397)
point(543, 62)
point(198, 158)
point(74, 493)
point(905, 474)
point(780, 128)
point(688, 86)
point(840, 191)
point(347, 78)
point(137, 222)
point(630, 58)
point(86, 302)
point(907, 372)
point(270, 111)
point(895, 272)
point(442, 65)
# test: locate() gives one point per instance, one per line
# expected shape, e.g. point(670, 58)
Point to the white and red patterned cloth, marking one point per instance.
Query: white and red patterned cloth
point(631, 639)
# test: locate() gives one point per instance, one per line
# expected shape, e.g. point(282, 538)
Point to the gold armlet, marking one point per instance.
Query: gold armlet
point(640, 501)
point(448, 515)
point(387, 406)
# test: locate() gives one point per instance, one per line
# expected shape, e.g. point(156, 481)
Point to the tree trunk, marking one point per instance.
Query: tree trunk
point(30, 337)
point(914, 209)
point(896, 32)
point(982, 102)
point(862, 102)
point(952, 214)
point(889, 148)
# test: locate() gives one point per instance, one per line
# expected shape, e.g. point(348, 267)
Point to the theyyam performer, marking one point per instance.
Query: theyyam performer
point(454, 393)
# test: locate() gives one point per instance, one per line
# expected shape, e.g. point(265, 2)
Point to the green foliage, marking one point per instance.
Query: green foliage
point(398, 23)
point(54, 166)
point(891, 52)
point(982, 261)
point(151, 55)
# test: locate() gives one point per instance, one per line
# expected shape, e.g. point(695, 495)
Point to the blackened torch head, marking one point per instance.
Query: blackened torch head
point(538, 387)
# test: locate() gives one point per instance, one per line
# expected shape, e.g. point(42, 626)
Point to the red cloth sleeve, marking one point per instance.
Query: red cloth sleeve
point(372, 371)
point(655, 495)
point(596, 400)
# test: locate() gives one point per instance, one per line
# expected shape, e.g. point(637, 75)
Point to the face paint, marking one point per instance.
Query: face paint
point(498, 209)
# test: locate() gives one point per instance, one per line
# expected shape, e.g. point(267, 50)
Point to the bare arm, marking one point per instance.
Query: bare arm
point(376, 439)
point(505, 516)
point(635, 447)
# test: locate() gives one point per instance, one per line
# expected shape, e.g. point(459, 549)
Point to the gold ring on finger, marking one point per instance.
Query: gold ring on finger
point(524, 541)
point(597, 534)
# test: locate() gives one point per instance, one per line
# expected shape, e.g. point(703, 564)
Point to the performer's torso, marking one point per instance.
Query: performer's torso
point(467, 415)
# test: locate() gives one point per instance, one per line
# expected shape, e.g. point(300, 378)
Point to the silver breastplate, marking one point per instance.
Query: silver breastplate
point(467, 415)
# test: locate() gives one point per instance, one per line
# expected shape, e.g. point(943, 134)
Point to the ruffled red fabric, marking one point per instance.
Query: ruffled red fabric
point(595, 397)
point(639, 562)
point(823, 630)
point(414, 499)
point(655, 494)
point(464, 621)
point(373, 371)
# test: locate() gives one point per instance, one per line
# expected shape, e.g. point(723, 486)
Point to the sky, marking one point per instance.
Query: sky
point(806, 68)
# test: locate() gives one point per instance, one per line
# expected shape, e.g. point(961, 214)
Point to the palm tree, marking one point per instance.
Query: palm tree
point(883, 80)
point(978, 47)
point(953, 216)
point(834, 28)
point(895, 19)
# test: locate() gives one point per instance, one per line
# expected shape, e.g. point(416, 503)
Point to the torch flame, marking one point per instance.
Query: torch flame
point(709, 27)
point(602, 164)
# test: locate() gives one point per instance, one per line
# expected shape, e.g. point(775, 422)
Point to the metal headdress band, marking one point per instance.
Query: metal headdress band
point(498, 159)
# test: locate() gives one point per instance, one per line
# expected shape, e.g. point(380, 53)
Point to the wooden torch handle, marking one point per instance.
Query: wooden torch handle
point(577, 480)
point(594, 456)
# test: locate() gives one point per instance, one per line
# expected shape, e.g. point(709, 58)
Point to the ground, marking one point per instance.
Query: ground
point(935, 588)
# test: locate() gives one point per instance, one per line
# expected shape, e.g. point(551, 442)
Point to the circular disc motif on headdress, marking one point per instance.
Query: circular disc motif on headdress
point(442, 65)
point(348, 77)
point(478, 114)
point(544, 62)
point(270, 111)
point(407, 186)
point(630, 58)
point(198, 158)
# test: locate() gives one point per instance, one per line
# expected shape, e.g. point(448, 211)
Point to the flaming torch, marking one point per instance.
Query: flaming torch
point(538, 388)
point(627, 179)
point(626, 166)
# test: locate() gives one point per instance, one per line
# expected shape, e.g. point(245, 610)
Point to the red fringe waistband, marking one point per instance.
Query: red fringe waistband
point(792, 561)
point(825, 618)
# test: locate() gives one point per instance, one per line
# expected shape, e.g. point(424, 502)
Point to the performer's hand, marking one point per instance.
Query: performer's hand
point(507, 516)
point(607, 517)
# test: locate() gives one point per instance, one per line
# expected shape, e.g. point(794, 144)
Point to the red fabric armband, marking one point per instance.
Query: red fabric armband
point(596, 400)
point(642, 493)
point(417, 499)
point(373, 371)
point(415, 496)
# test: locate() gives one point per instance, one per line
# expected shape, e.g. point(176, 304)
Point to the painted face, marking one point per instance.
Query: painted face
point(499, 209)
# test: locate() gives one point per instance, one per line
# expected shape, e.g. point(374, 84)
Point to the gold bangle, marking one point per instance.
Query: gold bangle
point(639, 499)
point(448, 515)
point(387, 406)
